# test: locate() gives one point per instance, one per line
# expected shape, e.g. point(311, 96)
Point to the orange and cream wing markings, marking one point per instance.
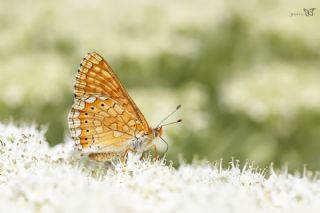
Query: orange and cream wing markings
point(103, 118)
point(95, 76)
point(102, 123)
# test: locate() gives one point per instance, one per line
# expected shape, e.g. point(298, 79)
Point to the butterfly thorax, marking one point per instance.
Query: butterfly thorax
point(143, 141)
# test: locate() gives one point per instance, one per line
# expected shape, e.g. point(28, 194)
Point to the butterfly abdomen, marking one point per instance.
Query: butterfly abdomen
point(103, 156)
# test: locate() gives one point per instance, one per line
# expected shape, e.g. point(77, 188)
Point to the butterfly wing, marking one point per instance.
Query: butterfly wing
point(104, 117)
point(101, 124)
point(95, 77)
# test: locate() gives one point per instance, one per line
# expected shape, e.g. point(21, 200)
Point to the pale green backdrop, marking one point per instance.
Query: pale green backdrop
point(247, 73)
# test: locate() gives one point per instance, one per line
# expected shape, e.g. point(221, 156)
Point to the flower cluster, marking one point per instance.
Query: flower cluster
point(47, 46)
point(37, 178)
point(34, 41)
point(291, 92)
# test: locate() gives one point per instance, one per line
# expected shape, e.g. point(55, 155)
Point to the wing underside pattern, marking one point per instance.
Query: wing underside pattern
point(103, 118)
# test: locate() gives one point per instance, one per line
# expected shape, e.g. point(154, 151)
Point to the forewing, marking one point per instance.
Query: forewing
point(96, 78)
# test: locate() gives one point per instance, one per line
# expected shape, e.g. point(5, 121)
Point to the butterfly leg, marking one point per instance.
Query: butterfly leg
point(156, 156)
point(142, 155)
point(124, 157)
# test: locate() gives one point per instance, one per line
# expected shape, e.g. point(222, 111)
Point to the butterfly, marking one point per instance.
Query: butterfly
point(308, 11)
point(104, 121)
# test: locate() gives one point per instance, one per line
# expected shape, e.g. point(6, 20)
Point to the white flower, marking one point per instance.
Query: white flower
point(57, 179)
point(274, 90)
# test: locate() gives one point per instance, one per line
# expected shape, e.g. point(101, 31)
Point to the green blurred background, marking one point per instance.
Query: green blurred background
point(246, 72)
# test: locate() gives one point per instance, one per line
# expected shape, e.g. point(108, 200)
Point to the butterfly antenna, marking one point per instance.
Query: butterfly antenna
point(174, 122)
point(167, 148)
point(177, 108)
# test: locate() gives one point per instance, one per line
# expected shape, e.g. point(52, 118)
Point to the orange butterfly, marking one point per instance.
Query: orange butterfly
point(104, 121)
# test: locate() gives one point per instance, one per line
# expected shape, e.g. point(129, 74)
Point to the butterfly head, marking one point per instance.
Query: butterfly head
point(157, 132)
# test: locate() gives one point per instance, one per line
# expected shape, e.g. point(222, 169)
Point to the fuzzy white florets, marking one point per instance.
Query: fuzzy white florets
point(37, 178)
